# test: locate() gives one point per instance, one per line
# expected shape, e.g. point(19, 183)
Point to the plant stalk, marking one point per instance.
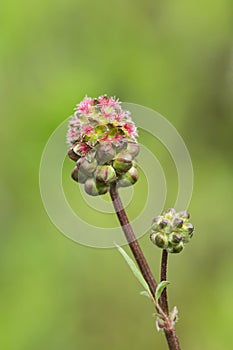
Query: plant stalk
point(163, 277)
point(170, 333)
point(132, 240)
point(142, 263)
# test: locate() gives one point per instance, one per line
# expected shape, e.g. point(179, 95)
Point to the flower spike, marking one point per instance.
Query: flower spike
point(103, 142)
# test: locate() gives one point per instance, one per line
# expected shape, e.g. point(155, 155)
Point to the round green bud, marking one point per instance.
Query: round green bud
point(175, 238)
point(159, 239)
point(152, 236)
point(176, 248)
point(186, 238)
point(72, 155)
point(105, 153)
point(122, 163)
point(188, 228)
point(129, 178)
point(155, 222)
point(176, 228)
point(86, 166)
point(177, 223)
point(79, 176)
point(133, 148)
point(163, 223)
point(105, 174)
point(93, 188)
point(170, 213)
point(184, 214)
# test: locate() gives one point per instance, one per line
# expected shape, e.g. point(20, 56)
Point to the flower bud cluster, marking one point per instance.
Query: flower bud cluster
point(103, 144)
point(172, 230)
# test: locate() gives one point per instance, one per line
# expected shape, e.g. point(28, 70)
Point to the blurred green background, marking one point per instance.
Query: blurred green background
point(173, 56)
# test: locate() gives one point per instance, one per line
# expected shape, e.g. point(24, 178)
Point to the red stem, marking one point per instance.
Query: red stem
point(163, 277)
point(170, 333)
point(132, 241)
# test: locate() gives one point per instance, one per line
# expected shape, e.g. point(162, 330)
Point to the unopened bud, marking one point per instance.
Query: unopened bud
point(78, 176)
point(133, 149)
point(105, 153)
point(122, 163)
point(120, 145)
point(177, 223)
point(184, 214)
point(155, 222)
point(105, 174)
point(84, 165)
point(159, 239)
point(170, 213)
point(93, 188)
point(176, 248)
point(129, 178)
point(163, 223)
point(175, 238)
point(72, 155)
point(188, 228)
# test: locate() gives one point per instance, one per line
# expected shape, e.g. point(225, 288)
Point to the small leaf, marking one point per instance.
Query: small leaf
point(160, 287)
point(133, 267)
point(145, 294)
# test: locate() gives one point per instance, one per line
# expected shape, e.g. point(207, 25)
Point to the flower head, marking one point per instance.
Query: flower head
point(101, 131)
point(172, 230)
point(100, 119)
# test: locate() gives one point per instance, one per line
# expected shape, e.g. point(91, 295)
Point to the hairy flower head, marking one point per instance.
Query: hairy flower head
point(101, 132)
point(99, 119)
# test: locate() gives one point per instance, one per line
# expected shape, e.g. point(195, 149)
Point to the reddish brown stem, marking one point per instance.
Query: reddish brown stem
point(131, 239)
point(163, 277)
point(170, 333)
point(172, 340)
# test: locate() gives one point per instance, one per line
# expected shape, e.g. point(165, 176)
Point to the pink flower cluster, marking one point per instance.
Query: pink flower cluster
point(100, 119)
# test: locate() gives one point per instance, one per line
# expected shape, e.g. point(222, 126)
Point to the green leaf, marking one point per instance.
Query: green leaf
point(145, 294)
point(160, 287)
point(133, 268)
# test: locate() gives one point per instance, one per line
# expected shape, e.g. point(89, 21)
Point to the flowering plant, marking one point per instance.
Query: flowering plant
point(103, 143)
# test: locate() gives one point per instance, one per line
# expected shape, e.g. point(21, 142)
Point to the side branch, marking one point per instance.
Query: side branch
point(163, 277)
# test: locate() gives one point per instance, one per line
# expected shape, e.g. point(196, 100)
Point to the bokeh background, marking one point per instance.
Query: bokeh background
point(173, 56)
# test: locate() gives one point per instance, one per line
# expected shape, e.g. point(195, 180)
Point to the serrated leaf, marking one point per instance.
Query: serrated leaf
point(133, 267)
point(159, 290)
point(145, 293)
